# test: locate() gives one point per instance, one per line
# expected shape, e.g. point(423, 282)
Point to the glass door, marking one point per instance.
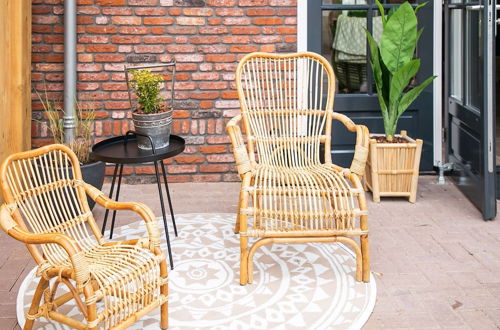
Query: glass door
point(336, 29)
point(470, 104)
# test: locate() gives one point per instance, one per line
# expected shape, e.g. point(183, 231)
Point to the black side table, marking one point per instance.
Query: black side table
point(123, 150)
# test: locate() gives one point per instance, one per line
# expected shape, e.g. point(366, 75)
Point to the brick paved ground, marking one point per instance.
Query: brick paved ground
point(436, 262)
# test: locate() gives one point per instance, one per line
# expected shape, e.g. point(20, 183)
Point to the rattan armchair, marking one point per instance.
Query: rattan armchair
point(288, 194)
point(112, 283)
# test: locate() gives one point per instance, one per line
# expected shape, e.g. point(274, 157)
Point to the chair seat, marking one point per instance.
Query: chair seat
point(127, 278)
point(310, 200)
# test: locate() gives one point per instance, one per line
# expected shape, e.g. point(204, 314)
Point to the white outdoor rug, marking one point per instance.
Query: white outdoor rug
point(296, 286)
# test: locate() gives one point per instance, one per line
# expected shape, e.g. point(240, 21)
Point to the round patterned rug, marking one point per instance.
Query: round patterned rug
point(296, 286)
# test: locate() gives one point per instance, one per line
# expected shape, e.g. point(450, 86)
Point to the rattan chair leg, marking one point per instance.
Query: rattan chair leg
point(237, 224)
point(164, 291)
point(244, 259)
point(365, 252)
point(35, 303)
point(88, 291)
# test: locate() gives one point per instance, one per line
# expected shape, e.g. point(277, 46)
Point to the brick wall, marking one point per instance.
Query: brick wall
point(206, 37)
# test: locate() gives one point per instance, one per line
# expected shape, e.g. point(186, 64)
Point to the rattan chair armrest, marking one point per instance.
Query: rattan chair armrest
point(12, 228)
point(362, 141)
point(140, 208)
point(240, 151)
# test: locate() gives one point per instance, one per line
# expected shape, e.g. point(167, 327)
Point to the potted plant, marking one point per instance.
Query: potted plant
point(394, 160)
point(152, 116)
point(92, 171)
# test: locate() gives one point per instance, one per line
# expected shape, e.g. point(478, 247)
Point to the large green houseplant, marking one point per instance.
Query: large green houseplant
point(394, 65)
point(394, 160)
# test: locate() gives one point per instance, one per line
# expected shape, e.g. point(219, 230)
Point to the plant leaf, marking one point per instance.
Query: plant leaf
point(398, 41)
point(382, 12)
point(409, 97)
point(400, 81)
point(419, 34)
point(377, 72)
point(420, 6)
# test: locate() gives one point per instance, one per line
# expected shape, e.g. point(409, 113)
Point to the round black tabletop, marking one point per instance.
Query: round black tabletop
point(115, 150)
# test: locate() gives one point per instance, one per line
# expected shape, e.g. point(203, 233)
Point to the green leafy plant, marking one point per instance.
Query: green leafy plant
point(146, 86)
point(393, 64)
point(84, 124)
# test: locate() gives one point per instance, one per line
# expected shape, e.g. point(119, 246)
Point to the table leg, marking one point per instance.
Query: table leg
point(164, 215)
point(168, 197)
point(110, 196)
point(117, 197)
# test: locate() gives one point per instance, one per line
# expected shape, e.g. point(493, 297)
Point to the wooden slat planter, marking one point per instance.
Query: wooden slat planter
point(392, 168)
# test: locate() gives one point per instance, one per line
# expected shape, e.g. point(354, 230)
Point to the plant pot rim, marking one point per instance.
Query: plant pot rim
point(402, 135)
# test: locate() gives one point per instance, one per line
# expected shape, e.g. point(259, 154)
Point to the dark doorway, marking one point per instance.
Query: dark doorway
point(356, 95)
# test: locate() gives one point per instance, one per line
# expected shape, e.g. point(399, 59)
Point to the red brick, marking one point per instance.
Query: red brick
point(134, 30)
point(113, 11)
point(204, 40)
point(140, 49)
point(109, 58)
point(112, 105)
point(101, 29)
point(245, 30)
point(101, 48)
point(189, 159)
point(181, 169)
point(174, 11)
point(90, 39)
point(214, 21)
point(229, 12)
point(267, 39)
point(180, 48)
point(213, 30)
point(127, 39)
point(206, 178)
point(109, 2)
point(178, 114)
point(206, 105)
point(236, 21)
point(204, 95)
point(260, 12)
point(212, 49)
point(212, 85)
point(181, 30)
point(287, 11)
point(198, 11)
point(286, 29)
point(220, 58)
point(142, 2)
point(243, 49)
point(214, 168)
point(126, 20)
point(44, 19)
point(151, 11)
point(221, 3)
point(93, 76)
point(254, 3)
point(283, 3)
point(268, 21)
point(213, 149)
point(158, 20)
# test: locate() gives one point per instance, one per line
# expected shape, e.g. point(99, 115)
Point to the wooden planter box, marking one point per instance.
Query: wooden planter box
point(392, 168)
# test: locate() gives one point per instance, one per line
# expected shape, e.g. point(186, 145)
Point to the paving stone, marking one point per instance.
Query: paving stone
point(426, 256)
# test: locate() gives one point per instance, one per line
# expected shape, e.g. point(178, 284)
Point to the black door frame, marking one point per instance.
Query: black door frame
point(364, 108)
point(478, 124)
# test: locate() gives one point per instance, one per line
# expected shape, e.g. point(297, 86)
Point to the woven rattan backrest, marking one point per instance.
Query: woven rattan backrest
point(287, 104)
point(43, 186)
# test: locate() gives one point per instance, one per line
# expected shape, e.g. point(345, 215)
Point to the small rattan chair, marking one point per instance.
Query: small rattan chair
point(112, 283)
point(289, 192)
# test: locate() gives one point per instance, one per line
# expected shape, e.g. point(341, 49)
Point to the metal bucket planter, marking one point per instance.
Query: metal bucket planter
point(156, 125)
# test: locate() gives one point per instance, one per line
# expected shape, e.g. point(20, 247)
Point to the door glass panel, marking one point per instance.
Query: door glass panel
point(456, 47)
point(475, 58)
